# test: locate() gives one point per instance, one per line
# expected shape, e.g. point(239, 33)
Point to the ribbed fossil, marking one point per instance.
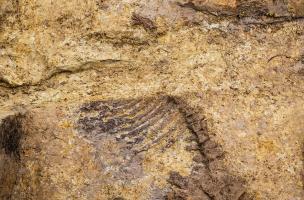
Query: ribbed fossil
point(141, 124)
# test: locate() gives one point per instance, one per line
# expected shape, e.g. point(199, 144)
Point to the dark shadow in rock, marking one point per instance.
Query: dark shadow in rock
point(10, 135)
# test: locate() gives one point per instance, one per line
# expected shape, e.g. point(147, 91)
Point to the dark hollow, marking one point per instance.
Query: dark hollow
point(10, 135)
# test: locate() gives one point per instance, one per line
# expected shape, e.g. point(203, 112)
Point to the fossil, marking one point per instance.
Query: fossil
point(156, 124)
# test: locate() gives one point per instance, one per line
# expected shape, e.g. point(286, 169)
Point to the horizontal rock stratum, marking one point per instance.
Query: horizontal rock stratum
point(249, 8)
point(151, 99)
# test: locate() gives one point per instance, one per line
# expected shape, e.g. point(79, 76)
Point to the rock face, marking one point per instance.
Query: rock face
point(151, 99)
point(153, 148)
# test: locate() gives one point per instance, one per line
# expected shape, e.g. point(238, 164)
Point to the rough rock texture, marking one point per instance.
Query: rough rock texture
point(90, 89)
point(154, 148)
